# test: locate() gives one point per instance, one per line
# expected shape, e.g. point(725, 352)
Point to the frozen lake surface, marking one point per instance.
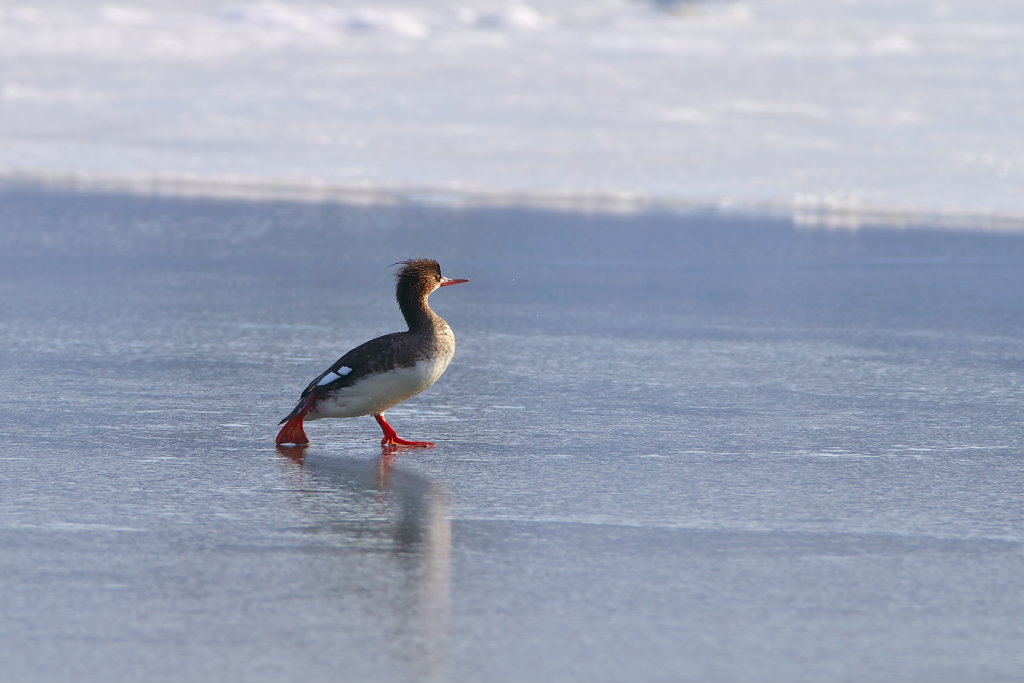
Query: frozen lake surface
point(671, 447)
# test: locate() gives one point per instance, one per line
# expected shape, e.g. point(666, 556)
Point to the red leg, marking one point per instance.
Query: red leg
point(293, 432)
point(391, 438)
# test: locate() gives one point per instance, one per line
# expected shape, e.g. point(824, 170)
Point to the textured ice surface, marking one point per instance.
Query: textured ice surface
point(857, 107)
point(670, 447)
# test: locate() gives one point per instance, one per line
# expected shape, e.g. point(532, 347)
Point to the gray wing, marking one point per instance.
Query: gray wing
point(377, 355)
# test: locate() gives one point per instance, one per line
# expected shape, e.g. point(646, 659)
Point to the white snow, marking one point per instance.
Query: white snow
point(858, 108)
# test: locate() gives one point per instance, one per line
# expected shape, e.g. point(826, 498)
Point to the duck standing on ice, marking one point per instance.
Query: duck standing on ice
point(387, 370)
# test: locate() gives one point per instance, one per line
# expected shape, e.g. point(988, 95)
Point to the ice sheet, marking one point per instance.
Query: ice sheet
point(670, 447)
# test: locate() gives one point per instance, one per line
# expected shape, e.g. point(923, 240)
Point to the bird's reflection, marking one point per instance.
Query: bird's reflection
point(373, 506)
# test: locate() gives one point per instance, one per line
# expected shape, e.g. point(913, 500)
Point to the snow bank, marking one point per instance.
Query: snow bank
point(856, 109)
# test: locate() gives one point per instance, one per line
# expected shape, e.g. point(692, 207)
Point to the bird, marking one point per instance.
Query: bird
point(383, 372)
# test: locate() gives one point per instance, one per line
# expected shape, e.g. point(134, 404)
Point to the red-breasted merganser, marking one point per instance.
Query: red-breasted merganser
point(387, 370)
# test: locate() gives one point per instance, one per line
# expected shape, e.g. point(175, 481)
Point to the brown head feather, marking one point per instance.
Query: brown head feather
point(416, 280)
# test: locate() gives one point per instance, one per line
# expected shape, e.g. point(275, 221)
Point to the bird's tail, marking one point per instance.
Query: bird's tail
point(292, 432)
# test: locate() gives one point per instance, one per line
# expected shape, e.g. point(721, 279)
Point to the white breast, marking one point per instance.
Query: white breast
point(376, 393)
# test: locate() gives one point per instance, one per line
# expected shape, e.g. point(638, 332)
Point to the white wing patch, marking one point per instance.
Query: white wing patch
point(332, 376)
